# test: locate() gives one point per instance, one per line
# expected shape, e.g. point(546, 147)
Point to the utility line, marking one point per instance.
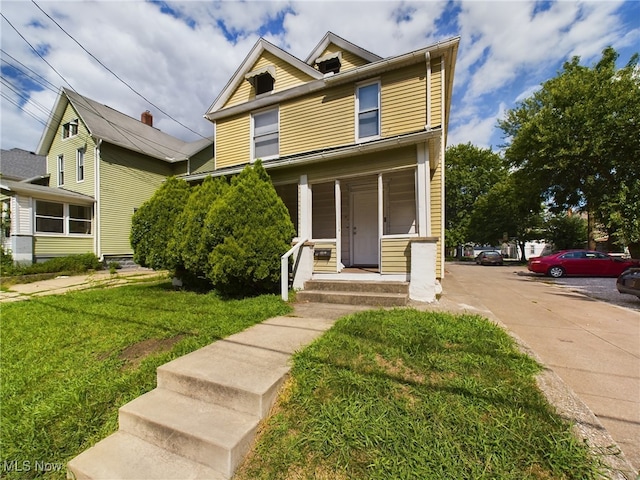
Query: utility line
point(133, 138)
point(47, 84)
point(114, 74)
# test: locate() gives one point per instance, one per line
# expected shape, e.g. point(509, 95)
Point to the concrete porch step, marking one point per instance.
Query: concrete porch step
point(375, 294)
point(207, 433)
point(354, 298)
point(357, 286)
point(126, 457)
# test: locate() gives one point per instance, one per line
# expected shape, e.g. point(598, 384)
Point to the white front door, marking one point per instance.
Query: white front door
point(364, 231)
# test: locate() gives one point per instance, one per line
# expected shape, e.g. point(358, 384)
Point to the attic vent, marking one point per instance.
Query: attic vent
point(330, 63)
point(262, 80)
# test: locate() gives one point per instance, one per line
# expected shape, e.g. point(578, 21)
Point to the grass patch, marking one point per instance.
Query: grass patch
point(70, 361)
point(408, 394)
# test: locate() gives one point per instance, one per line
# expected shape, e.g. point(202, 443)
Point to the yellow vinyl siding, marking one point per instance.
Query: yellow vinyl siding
point(404, 100)
point(319, 121)
point(127, 181)
point(349, 60)
point(68, 147)
point(396, 255)
point(47, 246)
point(436, 92)
point(327, 265)
point(233, 141)
point(287, 76)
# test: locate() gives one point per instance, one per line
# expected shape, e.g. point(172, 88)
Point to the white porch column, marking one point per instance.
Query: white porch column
point(380, 218)
point(304, 216)
point(338, 200)
point(423, 190)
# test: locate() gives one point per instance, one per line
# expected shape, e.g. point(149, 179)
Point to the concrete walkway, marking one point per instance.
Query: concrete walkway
point(590, 349)
point(67, 283)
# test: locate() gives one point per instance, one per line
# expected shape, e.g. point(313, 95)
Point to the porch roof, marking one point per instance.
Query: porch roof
point(329, 154)
point(10, 187)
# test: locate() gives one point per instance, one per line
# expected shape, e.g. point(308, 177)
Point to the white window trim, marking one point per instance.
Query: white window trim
point(357, 111)
point(60, 164)
point(80, 152)
point(66, 218)
point(252, 139)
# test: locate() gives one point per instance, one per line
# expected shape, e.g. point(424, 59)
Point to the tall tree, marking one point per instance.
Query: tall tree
point(577, 139)
point(470, 172)
point(510, 209)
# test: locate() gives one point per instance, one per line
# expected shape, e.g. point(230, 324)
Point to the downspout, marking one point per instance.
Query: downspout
point(428, 60)
point(96, 214)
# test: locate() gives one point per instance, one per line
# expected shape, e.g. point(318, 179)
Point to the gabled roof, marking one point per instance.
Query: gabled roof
point(111, 126)
point(245, 67)
point(448, 48)
point(330, 38)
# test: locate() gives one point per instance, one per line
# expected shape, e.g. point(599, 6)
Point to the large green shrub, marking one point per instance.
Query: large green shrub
point(249, 229)
point(153, 226)
point(188, 242)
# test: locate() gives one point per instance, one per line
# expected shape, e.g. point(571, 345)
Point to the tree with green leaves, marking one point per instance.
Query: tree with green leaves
point(510, 209)
point(248, 229)
point(577, 139)
point(470, 172)
point(566, 231)
point(152, 226)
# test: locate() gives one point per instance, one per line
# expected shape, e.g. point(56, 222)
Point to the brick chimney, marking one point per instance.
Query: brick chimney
point(147, 118)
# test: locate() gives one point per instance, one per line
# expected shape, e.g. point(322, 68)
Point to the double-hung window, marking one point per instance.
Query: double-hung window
point(60, 170)
point(80, 165)
point(368, 111)
point(266, 134)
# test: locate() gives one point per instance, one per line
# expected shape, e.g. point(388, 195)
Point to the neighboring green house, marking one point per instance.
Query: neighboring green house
point(354, 144)
point(101, 165)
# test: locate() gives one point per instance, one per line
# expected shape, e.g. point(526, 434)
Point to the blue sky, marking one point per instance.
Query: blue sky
point(179, 55)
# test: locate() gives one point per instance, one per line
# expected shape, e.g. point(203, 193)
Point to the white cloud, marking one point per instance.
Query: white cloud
point(180, 55)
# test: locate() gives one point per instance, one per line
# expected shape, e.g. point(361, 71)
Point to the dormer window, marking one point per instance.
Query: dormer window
point(262, 80)
point(70, 129)
point(330, 63)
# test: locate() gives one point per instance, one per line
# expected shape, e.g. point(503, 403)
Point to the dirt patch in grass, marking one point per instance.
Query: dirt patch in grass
point(134, 354)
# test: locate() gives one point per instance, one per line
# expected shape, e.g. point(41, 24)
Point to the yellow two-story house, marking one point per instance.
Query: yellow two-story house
point(354, 144)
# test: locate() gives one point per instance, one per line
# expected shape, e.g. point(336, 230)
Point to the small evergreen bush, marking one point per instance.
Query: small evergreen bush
point(188, 243)
point(153, 226)
point(247, 229)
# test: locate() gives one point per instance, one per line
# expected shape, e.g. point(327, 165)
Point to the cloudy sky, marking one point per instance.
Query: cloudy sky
point(174, 58)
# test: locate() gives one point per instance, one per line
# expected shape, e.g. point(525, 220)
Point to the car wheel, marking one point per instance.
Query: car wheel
point(556, 272)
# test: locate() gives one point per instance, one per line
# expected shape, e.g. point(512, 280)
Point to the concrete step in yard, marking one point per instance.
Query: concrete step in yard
point(377, 294)
point(202, 418)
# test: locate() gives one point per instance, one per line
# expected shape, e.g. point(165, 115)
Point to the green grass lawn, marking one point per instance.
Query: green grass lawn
point(68, 362)
point(404, 394)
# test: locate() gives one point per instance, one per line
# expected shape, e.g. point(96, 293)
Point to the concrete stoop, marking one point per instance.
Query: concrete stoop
point(202, 418)
point(346, 292)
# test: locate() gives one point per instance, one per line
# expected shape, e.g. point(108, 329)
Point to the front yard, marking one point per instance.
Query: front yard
point(70, 361)
point(384, 394)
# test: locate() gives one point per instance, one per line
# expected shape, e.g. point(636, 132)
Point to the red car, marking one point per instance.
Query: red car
point(580, 262)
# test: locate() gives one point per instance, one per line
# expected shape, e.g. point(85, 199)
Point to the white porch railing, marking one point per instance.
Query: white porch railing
point(284, 268)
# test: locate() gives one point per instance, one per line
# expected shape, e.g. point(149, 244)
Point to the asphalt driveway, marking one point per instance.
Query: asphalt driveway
point(590, 348)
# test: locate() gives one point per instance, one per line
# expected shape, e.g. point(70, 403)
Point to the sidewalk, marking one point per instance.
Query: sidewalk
point(63, 284)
